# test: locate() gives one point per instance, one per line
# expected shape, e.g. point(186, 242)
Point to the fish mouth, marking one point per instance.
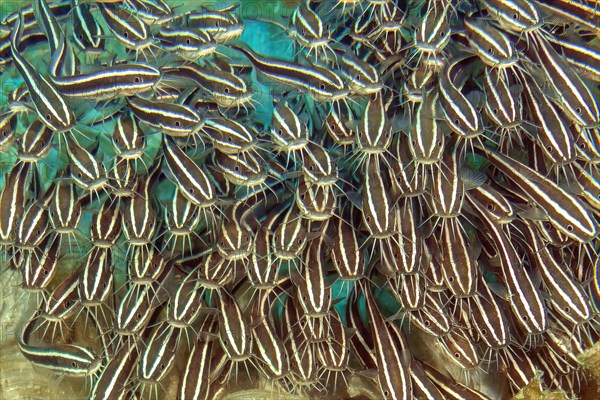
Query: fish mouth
point(65, 230)
point(364, 90)
point(138, 241)
point(323, 181)
point(230, 34)
point(316, 43)
point(426, 47)
point(142, 281)
point(332, 98)
point(175, 231)
point(97, 185)
point(295, 145)
point(30, 158)
point(228, 102)
point(31, 288)
point(237, 255)
point(178, 324)
point(91, 303)
point(132, 154)
point(285, 255)
point(507, 63)
point(7, 241)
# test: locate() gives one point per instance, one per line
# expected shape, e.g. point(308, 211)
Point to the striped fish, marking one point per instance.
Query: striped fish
point(571, 92)
point(319, 82)
point(50, 106)
point(170, 118)
point(108, 83)
point(65, 359)
point(563, 210)
point(392, 366)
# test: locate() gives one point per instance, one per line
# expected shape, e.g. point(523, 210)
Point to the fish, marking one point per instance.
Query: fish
point(118, 80)
point(51, 107)
point(315, 80)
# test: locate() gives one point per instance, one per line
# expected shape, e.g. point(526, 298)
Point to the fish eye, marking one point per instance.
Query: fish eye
point(137, 79)
point(570, 228)
point(525, 318)
point(45, 272)
point(126, 34)
point(48, 117)
point(322, 86)
point(457, 122)
point(177, 124)
point(311, 167)
point(491, 206)
point(515, 16)
point(188, 41)
point(226, 90)
point(73, 364)
point(495, 111)
point(358, 78)
point(568, 310)
point(490, 50)
point(549, 148)
point(138, 316)
point(457, 355)
point(484, 331)
point(578, 110)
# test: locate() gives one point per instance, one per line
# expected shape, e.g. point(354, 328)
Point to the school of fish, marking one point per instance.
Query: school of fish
point(426, 167)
